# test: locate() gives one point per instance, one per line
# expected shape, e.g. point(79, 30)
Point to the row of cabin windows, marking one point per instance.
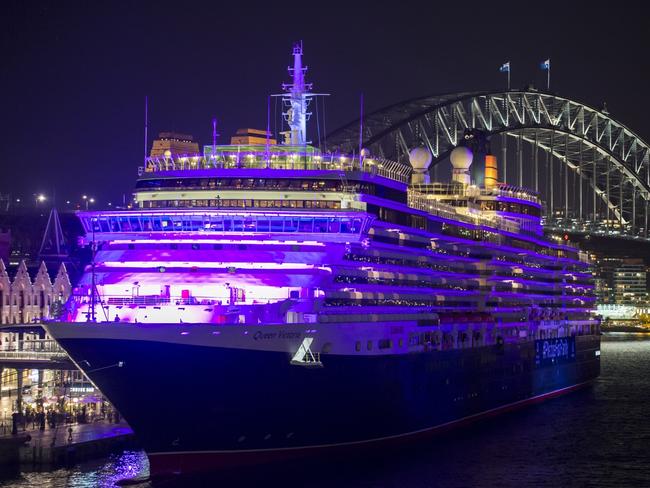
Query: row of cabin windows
point(404, 262)
point(481, 235)
point(478, 234)
point(365, 280)
point(394, 302)
point(194, 246)
point(381, 344)
point(272, 184)
point(440, 267)
point(446, 340)
point(471, 234)
point(245, 184)
point(242, 203)
point(427, 284)
point(440, 304)
point(451, 286)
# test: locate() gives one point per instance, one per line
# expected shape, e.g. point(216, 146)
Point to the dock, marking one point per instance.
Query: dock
point(52, 448)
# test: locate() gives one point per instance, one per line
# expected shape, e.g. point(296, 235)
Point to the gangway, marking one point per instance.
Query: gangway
point(304, 356)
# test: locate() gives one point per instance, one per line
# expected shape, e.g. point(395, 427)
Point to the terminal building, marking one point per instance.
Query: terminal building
point(24, 300)
point(27, 299)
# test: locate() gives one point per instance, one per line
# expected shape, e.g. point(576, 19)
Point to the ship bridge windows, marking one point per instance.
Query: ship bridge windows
point(224, 223)
point(242, 203)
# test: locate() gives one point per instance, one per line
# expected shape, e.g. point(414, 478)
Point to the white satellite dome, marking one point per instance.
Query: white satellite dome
point(420, 158)
point(461, 157)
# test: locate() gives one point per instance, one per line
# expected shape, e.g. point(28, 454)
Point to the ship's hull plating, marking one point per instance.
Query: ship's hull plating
point(194, 407)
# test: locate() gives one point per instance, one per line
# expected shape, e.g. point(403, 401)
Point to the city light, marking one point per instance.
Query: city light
point(41, 198)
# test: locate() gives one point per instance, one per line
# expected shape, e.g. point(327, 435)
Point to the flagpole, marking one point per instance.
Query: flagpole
point(548, 78)
point(508, 77)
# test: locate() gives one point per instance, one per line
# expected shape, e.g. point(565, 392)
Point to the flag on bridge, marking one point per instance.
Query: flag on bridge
point(505, 68)
point(546, 66)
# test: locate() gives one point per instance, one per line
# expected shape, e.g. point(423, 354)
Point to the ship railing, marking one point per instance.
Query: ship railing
point(421, 202)
point(127, 308)
point(289, 161)
point(217, 220)
point(473, 191)
point(145, 300)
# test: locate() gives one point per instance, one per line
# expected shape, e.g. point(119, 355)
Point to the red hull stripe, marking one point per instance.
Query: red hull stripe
point(187, 462)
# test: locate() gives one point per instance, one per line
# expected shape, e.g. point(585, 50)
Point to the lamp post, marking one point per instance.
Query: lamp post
point(88, 200)
point(40, 198)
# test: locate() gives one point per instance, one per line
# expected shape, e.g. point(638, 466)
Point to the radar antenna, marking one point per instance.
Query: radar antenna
point(296, 99)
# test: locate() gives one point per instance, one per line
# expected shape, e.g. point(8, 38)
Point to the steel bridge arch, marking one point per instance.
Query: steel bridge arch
point(602, 154)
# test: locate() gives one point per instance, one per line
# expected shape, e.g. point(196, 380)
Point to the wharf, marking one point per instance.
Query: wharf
point(52, 448)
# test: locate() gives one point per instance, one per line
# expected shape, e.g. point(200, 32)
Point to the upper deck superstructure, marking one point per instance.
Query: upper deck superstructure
point(283, 233)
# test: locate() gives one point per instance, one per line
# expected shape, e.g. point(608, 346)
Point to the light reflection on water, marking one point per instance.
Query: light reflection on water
point(597, 437)
point(101, 473)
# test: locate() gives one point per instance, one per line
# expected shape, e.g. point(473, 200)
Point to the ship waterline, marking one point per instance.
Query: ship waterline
point(257, 405)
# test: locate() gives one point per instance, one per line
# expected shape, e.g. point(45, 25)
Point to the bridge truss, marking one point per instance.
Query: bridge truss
point(592, 172)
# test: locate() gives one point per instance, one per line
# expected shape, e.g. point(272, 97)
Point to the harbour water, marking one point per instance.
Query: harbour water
point(597, 437)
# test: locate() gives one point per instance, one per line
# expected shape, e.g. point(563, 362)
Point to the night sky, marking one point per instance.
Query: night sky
point(74, 75)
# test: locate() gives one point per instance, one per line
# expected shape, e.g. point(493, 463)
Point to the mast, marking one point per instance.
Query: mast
point(214, 137)
point(92, 274)
point(146, 126)
point(297, 99)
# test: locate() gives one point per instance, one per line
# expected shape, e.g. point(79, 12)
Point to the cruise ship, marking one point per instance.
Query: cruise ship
point(269, 300)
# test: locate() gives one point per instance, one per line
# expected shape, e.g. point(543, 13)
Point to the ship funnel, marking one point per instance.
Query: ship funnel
point(491, 172)
point(461, 160)
point(420, 159)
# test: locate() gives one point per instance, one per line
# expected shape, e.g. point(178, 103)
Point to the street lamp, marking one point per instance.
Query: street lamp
point(88, 200)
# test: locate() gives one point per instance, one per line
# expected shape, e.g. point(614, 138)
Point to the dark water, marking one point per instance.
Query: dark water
point(597, 437)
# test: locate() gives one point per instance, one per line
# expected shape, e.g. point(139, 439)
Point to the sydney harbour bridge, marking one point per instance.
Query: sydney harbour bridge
point(592, 172)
